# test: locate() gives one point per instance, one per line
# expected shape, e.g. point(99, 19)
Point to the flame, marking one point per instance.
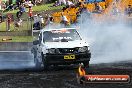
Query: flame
point(81, 71)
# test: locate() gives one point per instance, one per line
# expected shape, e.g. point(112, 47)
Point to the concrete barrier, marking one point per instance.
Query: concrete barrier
point(15, 46)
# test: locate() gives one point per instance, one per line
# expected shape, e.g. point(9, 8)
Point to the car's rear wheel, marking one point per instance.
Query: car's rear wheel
point(37, 64)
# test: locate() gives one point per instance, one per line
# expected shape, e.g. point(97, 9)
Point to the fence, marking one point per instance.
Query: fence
point(25, 25)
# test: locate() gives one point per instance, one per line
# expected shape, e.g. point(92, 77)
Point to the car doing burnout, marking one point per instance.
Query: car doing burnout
point(60, 47)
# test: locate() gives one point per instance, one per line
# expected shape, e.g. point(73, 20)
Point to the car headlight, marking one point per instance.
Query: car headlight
point(83, 49)
point(51, 51)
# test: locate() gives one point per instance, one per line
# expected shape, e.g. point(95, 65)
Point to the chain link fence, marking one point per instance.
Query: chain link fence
point(14, 25)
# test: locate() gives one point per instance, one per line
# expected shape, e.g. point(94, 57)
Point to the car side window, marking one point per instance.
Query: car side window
point(40, 37)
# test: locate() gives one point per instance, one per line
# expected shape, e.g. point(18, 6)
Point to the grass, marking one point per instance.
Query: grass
point(17, 38)
point(26, 25)
point(39, 8)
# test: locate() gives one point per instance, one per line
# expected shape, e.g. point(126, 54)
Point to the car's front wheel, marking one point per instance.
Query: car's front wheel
point(45, 63)
point(38, 61)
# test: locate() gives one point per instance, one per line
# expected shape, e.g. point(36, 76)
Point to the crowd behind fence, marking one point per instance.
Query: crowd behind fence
point(70, 12)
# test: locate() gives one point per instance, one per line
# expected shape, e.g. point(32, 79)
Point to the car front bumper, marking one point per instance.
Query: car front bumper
point(59, 58)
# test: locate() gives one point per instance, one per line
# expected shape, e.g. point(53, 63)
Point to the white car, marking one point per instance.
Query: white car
point(60, 47)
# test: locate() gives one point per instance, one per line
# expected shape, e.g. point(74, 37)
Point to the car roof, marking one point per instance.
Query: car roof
point(43, 30)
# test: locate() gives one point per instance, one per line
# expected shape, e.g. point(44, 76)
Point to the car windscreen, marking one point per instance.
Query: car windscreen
point(61, 35)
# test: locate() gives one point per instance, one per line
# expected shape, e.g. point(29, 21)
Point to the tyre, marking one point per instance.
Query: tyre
point(37, 64)
point(44, 61)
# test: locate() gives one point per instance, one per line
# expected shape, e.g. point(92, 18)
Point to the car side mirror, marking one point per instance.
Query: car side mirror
point(36, 42)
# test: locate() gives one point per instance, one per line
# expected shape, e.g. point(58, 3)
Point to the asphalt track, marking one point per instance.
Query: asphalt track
point(58, 77)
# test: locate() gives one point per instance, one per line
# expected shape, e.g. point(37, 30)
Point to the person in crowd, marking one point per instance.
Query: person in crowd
point(1, 18)
point(30, 4)
point(41, 21)
point(38, 22)
point(18, 23)
point(22, 8)
point(47, 19)
point(39, 1)
point(34, 2)
point(115, 9)
point(64, 19)
point(128, 10)
point(69, 3)
point(56, 3)
point(62, 2)
point(8, 22)
point(98, 8)
point(3, 5)
point(64, 8)
point(9, 7)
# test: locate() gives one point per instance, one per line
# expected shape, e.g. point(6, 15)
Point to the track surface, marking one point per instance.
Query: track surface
point(60, 77)
point(16, 60)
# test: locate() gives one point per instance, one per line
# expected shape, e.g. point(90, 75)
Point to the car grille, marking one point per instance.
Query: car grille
point(68, 50)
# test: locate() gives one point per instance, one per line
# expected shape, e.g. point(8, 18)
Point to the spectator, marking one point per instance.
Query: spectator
point(30, 12)
point(115, 10)
point(56, 3)
point(64, 19)
point(34, 2)
point(128, 10)
point(69, 3)
point(21, 11)
point(18, 14)
point(47, 19)
point(38, 1)
point(3, 5)
point(22, 8)
point(64, 8)
point(18, 23)
point(30, 4)
point(0, 18)
point(8, 22)
point(9, 7)
point(38, 22)
point(62, 2)
point(41, 20)
point(51, 19)
point(18, 3)
point(98, 8)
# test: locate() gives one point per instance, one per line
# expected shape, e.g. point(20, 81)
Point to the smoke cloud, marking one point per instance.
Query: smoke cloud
point(110, 40)
point(16, 60)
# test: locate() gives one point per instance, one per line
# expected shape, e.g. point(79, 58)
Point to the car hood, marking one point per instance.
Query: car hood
point(69, 44)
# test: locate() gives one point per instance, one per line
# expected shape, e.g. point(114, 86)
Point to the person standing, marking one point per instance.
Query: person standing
point(8, 22)
point(129, 10)
point(64, 19)
point(30, 12)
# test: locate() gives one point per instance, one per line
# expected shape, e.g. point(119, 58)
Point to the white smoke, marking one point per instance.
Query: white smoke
point(16, 60)
point(110, 41)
